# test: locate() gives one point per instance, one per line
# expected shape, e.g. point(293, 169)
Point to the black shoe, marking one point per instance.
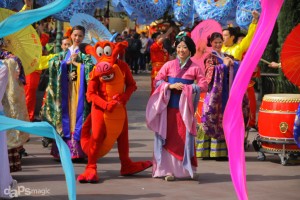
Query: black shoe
point(23, 153)
point(46, 141)
point(208, 158)
point(222, 159)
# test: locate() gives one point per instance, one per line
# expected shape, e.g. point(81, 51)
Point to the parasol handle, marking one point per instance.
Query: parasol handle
point(264, 61)
point(243, 9)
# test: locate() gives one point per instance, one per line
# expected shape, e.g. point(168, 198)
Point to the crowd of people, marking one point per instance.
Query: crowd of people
point(176, 83)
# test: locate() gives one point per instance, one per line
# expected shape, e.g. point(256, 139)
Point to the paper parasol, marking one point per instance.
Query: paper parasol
point(290, 56)
point(93, 27)
point(199, 36)
point(24, 44)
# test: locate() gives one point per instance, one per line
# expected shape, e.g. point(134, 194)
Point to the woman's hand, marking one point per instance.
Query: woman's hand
point(73, 59)
point(255, 16)
point(28, 3)
point(274, 65)
point(176, 86)
point(227, 61)
point(208, 63)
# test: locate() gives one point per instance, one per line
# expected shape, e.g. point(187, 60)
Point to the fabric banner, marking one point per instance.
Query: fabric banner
point(44, 129)
point(20, 20)
point(233, 123)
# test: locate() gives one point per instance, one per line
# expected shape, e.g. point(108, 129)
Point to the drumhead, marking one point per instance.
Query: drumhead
point(282, 98)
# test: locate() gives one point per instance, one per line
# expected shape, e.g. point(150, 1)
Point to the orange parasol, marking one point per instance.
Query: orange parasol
point(25, 44)
point(290, 56)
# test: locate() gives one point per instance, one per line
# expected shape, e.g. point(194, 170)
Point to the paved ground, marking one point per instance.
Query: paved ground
point(266, 179)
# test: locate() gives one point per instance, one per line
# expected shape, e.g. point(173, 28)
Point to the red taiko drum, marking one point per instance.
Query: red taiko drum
point(276, 121)
point(200, 107)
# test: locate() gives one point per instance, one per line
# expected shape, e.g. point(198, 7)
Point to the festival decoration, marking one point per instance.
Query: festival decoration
point(233, 122)
point(244, 12)
point(144, 11)
point(25, 44)
point(77, 6)
point(219, 11)
point(290, 56)
point(184, 12)
point(14, 5)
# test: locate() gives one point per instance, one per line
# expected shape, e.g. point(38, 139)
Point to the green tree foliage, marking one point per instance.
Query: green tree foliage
point(288, 18)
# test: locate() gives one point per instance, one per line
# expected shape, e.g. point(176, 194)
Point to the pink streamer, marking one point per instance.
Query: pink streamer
point(233, 123)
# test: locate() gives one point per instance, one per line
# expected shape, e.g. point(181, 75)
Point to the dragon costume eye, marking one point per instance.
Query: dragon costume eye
point(107, 51)
point(99, 51)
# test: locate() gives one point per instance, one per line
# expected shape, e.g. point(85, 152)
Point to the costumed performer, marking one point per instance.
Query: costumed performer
point(170, 113)
point(210, 140)
point(158, 54)
point(14, 106)
point(110, 87)
point(65, 105)
point(230, 45)
point(6, 180)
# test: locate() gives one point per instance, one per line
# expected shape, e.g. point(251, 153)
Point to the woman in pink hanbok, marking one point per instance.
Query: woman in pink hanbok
point(170, 113)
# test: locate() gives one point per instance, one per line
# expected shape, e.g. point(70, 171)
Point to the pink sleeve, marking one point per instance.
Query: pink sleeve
point(201, 80)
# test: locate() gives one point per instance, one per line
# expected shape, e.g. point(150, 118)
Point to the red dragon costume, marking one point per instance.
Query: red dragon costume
point(110, 87)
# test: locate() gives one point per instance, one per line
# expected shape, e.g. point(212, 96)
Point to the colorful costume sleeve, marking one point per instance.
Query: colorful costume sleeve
point(245, 43)
point(238, 50)
point(52, 108)
point(25, 7)
point(44, 61)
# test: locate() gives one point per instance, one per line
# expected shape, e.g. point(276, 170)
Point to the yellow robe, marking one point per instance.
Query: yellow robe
point(237, 50)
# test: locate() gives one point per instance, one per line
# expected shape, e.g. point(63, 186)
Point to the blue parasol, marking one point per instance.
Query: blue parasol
point(93, 28)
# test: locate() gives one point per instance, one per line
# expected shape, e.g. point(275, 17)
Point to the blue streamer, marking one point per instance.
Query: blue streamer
point(44, 129)
point(21, 20)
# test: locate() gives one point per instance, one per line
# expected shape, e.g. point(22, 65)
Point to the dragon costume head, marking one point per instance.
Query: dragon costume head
point(106, 53)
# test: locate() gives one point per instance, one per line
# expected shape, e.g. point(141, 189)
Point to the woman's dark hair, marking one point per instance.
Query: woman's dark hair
point(212, 37)
point(189, 43)
point(78, 27)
